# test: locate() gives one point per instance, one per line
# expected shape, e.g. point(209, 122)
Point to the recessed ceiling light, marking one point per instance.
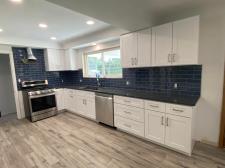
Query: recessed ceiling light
point(93, 44)
point(16, 1)
point(1, 30)
point(90, 22)
point(43, 25)
point(53, 38)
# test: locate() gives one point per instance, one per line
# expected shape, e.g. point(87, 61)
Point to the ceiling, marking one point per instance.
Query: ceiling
point(21, 21)
point(133, 14)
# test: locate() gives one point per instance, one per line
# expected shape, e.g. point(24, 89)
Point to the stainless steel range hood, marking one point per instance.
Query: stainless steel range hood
point(30, 55)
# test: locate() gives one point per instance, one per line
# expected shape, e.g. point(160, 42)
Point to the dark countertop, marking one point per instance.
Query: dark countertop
point(154, 96)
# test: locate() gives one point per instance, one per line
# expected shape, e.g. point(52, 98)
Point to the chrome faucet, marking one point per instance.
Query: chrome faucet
point(98, 79)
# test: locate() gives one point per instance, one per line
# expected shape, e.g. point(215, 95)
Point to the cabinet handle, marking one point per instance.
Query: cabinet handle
point(154, 106)
point(136, 61)
point(169, 58)
point(162, 120)
point(173, 57)
point(176, 110)
point(132, 61)
point(126, 101)
point(167, 122)
point(126, 125)
point(127, 112)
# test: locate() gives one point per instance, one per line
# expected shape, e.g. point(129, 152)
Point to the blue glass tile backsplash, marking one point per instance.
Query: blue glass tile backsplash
point(155, 79)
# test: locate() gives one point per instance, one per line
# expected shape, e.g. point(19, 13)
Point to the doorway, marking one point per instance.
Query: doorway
point(222, 123)
point(7, 99)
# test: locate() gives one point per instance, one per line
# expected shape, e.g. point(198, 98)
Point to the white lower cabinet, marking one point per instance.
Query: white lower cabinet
point(171, 128)
point(60, 99)
point(178, 133)
point(130, 126)
point(80, 102)
point(155, 126)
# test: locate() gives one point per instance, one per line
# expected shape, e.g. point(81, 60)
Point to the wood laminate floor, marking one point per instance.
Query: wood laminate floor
point(69, 141)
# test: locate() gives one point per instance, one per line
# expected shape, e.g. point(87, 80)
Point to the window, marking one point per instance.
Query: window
point(105, 63)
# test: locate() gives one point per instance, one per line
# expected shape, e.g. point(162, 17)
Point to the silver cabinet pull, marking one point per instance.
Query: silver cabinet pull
point(162, 120)
point(167, 122)
point(169, 58)
point(132, 61)
point(126, 101)
point(127, 112)
point(126, 125)
point(155, 106)
point(176, 110)
point(173, 57)
point(136, 61)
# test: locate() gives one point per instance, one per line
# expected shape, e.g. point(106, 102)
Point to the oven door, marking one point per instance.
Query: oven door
point(42, 103)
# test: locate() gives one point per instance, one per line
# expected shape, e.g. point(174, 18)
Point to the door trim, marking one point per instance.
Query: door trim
point(222, 123)
point(6, 49)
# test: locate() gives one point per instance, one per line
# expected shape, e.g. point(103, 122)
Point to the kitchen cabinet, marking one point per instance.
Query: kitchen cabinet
point(162, 44)
point(129, 50)
point(54, 59)
point(62, 60)
point(85, 104)
point(176, 43)
point(144, 48)
point(129, 115)
point(155, 126)
point(60, 99)
point(72, 60)
point(171, 126)
point(178, 133)
point(69, 98)
point(136, 49)
point(186, 41)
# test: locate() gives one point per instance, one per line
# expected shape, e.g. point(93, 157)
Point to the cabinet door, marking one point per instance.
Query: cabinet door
point(186, 41)
point(60, 99)
point(162, 44)
point(55, 59)
point(128, 48)
point(80, 107)
point(155, 126)
point(178, 133)
point(144, 48)
point(90, 109)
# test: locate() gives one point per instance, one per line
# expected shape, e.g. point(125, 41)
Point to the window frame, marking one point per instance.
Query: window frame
point(85, 66)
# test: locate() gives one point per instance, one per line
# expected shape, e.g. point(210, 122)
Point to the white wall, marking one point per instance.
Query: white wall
point(211, 53)
point(7, 100)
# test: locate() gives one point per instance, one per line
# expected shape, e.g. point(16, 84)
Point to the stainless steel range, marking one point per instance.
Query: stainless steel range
point(39, 100)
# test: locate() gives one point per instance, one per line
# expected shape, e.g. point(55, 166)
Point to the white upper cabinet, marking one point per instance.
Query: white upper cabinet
point(176, 43)
point(162, 44)
point(129, 49)
point(144, 48)
point(72, 61)
point(186, 41)
point(54, 59)
point(136, 49)
point(61, 60)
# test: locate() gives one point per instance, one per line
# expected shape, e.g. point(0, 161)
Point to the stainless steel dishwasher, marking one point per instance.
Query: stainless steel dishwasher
point(104, 108)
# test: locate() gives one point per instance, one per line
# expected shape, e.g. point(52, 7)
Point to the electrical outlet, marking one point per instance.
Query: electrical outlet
point(127, 83)
point(175, 86)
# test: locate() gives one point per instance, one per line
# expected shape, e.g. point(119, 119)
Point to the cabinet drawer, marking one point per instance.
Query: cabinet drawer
point(155, 106)
point(179, 110)
point(129, 112)
point(130, 126)
point(88, 95)
point(129, 101)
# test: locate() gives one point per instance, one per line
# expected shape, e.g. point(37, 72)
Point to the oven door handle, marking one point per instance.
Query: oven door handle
point(43, 95)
